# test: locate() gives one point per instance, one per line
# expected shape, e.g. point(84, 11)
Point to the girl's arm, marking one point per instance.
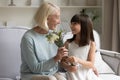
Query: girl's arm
point(90, 60)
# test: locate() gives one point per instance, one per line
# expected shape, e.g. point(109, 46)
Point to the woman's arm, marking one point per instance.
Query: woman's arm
point(30, 57)
point(31, 60)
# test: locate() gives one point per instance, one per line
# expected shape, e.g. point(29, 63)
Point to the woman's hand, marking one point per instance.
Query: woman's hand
point(72, 68)
point(68, 67)
point(62, 51)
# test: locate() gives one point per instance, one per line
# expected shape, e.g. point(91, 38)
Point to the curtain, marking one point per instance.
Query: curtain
point(116, 26)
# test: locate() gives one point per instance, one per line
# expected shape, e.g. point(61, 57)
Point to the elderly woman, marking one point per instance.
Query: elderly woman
point(39, 57)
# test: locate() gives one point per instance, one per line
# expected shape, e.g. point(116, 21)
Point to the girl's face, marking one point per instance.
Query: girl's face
point(53, 20)
point(75, 27)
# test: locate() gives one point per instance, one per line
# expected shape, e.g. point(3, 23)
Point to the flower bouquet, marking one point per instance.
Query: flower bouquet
point(56, 37)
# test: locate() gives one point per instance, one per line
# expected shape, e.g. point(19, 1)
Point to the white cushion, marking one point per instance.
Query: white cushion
point(10, 59)
point(6, 79)
point(101, 65)
point(68, 35)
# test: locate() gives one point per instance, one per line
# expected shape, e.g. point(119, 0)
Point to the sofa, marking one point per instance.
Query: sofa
point(107, 62)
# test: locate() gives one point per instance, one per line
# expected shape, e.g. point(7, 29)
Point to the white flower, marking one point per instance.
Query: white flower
point(55, 37)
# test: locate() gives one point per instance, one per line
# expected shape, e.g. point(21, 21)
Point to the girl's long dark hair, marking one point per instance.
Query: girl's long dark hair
point(86, 33)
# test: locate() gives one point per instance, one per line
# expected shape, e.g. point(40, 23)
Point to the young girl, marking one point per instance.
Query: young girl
point(81, 50)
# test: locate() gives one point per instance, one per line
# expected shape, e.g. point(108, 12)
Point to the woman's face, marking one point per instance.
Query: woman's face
point(53, 20)
point(75, 27)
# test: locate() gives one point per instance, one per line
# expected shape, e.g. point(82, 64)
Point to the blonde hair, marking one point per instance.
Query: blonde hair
point(43, 12)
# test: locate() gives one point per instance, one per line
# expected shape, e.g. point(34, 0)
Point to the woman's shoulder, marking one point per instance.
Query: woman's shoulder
point(28, 34)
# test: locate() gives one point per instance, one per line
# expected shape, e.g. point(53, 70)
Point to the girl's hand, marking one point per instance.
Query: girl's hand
point(72, 59)
point(95, 71)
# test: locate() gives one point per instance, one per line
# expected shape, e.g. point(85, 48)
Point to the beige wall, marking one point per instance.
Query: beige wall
point(106, 29)
point(17, 14)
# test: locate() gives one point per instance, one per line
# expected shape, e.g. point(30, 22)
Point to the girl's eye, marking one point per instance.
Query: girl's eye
point(74, 23)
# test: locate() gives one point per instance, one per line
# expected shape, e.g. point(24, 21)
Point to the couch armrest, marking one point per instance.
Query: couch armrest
point(109, 53)
point(112, 58)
